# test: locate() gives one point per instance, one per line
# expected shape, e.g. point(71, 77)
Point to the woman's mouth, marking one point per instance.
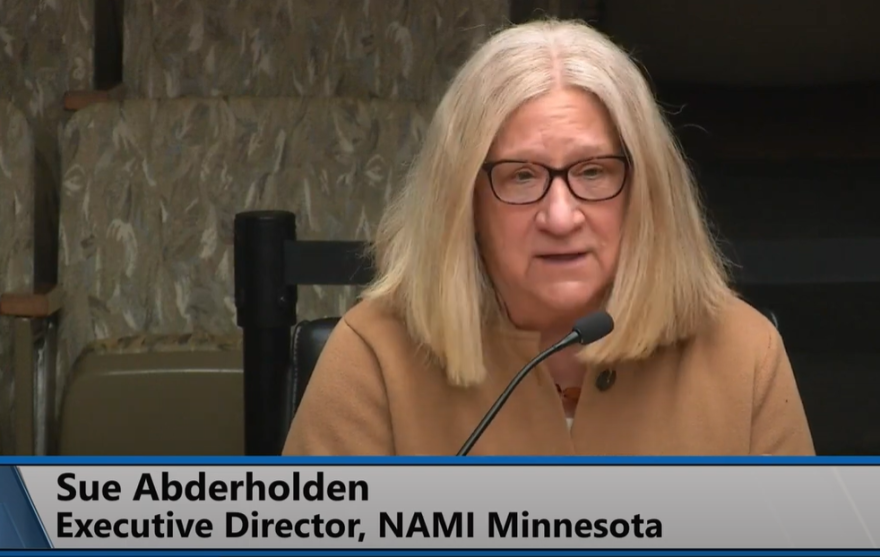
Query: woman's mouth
point(563, 257)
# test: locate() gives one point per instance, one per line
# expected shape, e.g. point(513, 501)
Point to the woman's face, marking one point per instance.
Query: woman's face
point(552, 260)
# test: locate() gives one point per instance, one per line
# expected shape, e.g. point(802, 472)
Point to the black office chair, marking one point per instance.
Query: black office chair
point(309, 338)
point(269, 265)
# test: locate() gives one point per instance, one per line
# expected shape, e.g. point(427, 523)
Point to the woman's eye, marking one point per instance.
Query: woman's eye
point(590, 172)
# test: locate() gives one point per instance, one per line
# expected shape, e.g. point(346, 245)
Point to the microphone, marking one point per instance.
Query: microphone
point(587, 330)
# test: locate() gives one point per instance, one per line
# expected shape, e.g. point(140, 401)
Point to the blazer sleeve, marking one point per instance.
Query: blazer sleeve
point(779, 423)
point(344, 410)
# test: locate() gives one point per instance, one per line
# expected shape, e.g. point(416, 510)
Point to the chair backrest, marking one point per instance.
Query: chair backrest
point(309, 338)
point(761, 265)
point(150, 188)
point(16, 244)
point(270, 266)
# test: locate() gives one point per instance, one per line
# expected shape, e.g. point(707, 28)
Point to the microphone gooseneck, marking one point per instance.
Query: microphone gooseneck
point(587, 330)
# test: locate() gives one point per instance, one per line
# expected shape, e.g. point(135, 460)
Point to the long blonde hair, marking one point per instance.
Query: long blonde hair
point(671, 277)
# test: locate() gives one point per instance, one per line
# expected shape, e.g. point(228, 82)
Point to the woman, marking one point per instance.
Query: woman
point(548, 187)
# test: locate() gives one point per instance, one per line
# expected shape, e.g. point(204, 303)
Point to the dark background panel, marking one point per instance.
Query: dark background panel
point(777, 106)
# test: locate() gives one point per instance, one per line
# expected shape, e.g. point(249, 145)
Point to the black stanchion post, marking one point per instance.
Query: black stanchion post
point(266, 311)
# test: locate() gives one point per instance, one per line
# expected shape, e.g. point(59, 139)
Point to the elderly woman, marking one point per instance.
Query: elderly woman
point(549, 186)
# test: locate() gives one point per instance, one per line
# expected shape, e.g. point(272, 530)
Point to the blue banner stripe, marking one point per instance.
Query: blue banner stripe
point(439, 461)
point(20, 526)
point(444, 553)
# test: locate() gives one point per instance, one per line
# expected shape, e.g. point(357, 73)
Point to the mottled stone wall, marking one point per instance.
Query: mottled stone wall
point(16, 240)
point(391, 49)
point(45, 50)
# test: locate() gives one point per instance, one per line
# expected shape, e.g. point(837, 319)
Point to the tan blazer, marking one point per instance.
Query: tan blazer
point(729, 391)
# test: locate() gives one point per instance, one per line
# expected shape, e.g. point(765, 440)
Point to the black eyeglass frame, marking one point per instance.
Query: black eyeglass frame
point(554, 173)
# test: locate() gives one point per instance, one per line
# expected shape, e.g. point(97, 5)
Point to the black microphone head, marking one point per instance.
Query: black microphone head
point(593, 327)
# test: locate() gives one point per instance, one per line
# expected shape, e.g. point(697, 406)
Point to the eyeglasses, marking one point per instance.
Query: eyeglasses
point(522, 182)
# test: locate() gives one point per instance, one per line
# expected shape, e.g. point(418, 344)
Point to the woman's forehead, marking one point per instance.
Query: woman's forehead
point(565, 123)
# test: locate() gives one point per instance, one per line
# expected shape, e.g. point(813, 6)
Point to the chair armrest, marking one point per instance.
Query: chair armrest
point(43, 301)
point(78, 100)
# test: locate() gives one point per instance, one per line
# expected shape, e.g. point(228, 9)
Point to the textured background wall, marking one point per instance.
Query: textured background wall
point(45, 50)
point(393, 49)
point(396, 50)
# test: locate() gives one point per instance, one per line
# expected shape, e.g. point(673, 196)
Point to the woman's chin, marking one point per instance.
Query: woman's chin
point(567, 303)
point(569, 296)
point(556, 306)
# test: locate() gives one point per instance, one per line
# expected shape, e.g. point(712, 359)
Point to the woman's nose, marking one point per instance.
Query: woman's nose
point(560, 212)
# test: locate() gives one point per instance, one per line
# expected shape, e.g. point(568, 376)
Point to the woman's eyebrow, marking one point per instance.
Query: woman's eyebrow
point(579, 151)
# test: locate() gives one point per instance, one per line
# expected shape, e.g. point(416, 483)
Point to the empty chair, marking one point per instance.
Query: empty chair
point(149, 358)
